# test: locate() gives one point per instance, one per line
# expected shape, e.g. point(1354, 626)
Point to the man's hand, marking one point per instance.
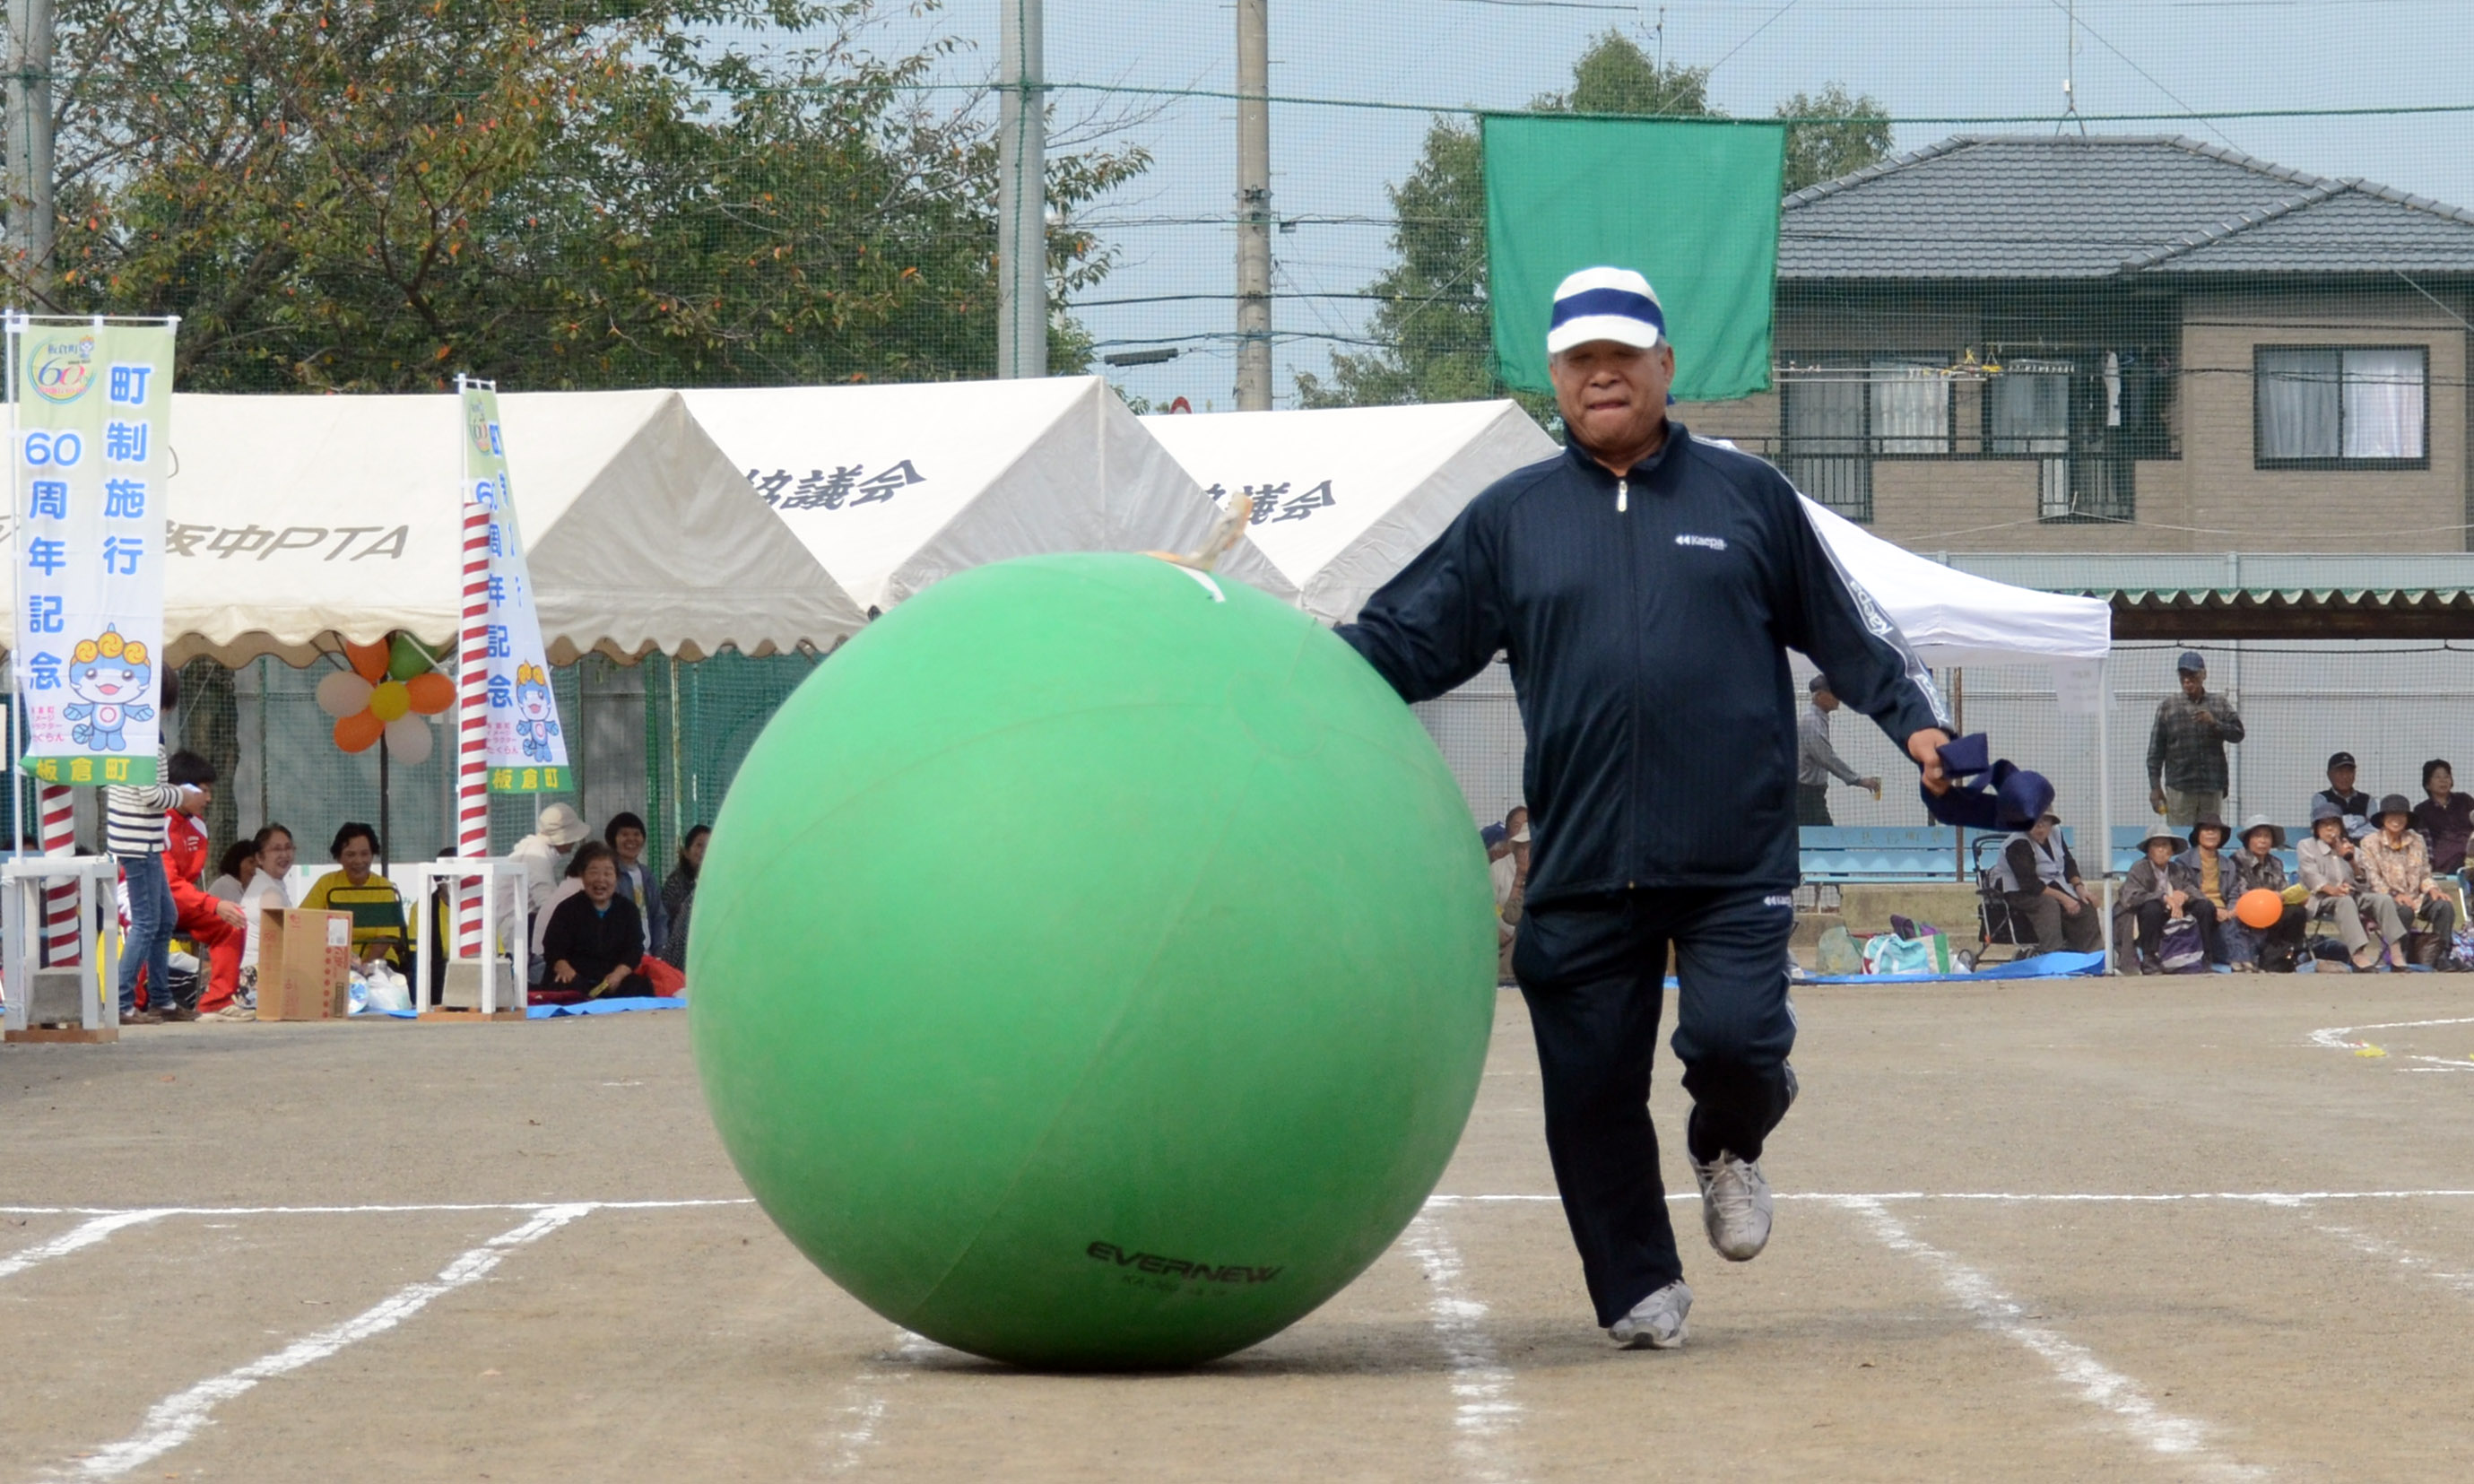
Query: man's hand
point(563, 972)
point(2156, 800)
point(1924, 747)
point(230, 914)
point(2204, 718)
point(2070, 905)
point(1872, 785)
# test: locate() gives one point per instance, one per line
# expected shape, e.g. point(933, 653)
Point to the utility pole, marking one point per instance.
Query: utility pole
point(1253, 207)
point(29, 151)
point(1022, 193)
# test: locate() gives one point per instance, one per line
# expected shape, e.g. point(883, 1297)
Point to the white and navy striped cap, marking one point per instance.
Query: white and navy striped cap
point(1605, 303)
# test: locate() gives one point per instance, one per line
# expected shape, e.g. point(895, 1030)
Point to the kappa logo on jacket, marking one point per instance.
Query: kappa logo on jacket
point(1709, 542)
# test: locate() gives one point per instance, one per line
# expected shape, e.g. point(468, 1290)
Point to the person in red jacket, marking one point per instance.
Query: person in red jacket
point(212, 923)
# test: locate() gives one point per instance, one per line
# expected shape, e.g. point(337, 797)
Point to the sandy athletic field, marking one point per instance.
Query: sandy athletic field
point(2122, 1230)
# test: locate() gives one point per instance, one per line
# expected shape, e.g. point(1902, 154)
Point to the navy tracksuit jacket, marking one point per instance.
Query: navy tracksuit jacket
point(1647, 622)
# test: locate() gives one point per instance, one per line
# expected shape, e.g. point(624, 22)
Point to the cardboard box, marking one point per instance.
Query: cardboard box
point(304, 965)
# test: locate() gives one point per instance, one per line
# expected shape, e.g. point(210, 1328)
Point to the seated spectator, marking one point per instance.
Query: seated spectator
point(595, 940)
point(678, 895)
point(233, 870)
point(377, 906)
point(2396, 863)
point(2210, 875)
point(625, 836)
point(2353, 806)
point(557, 830)
point(2327, 861)
point(2154, 893)
point(2040, 880)
point(1510, 874)
point(2256, 868)
point(269, 886)
point(2445, 818)
point(208, 921)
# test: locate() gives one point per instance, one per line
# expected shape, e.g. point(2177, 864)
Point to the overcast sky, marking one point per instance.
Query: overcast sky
point(1924, 59)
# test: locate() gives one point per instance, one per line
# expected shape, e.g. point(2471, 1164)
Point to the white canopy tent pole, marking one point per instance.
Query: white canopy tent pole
point(2105, 797)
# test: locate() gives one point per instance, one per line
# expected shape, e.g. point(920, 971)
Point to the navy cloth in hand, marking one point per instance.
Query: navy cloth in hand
point(1985, 795)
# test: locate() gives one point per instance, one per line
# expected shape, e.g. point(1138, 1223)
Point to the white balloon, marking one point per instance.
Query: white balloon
point(409, 740)
point(343, 694)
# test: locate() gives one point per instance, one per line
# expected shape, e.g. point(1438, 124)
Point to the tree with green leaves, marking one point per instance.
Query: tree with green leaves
point(1433, 329)
point(374, 194)
point(1835, 133)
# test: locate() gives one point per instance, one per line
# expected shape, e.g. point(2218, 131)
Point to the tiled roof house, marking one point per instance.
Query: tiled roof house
point(2125, 344)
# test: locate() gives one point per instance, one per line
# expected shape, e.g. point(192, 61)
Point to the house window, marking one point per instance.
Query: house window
point(2342, 407)
point(2065, 415)
point(1838, 418)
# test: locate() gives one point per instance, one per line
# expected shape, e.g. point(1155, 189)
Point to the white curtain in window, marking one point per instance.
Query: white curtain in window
point(1825, 411)
point(2384, 402)
point(1910, 407)
point(2031, 413)
point(2298, 405)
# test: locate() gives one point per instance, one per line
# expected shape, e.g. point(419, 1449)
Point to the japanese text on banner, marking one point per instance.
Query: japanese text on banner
point(527, 753)
point(93, 425)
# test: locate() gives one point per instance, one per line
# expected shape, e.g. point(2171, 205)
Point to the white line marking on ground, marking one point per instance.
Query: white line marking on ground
point(2074, 1363)
point(2339, 1038)
point(368, 1210)
point(869, 1394)
point(1484, 1413)
point(173, 1420)
point(1841, 1197)
point(2265, 1197)
point(2386, 1251)
point(82, 1235)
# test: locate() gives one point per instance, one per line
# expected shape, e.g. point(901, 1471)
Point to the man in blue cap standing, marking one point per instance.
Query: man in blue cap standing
point(1645, 586)
point(2186, 748)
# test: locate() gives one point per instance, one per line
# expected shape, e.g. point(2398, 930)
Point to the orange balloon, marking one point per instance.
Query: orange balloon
point(2260, 908)
point(358, 732)
point(431, 693)
point(369, 663)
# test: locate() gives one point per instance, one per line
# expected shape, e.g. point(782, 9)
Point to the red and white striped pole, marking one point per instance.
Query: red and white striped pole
point(55, 811)
point(472, 719)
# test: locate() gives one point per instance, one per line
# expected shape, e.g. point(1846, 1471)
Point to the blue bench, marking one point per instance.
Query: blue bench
point(1860, 854)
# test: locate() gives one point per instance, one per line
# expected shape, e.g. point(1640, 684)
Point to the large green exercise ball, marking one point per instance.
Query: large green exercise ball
point(1093, 964)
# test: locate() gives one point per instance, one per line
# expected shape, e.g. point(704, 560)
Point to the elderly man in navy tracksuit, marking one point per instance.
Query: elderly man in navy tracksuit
point(1645, 587)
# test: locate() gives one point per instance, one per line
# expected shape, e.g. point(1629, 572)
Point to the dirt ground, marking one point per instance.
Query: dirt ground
point(2203, 1227)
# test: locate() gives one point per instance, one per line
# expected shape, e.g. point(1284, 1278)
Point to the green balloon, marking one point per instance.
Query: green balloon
point(407, 658)
point(1093, 964)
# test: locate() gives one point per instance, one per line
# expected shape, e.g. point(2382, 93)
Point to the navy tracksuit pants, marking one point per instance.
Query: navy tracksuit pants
point(1593, 971)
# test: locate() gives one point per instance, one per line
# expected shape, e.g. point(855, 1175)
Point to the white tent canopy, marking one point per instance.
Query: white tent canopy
point(1356, 492)
point(896, 487)
point(294, 519)
point(1954, 618)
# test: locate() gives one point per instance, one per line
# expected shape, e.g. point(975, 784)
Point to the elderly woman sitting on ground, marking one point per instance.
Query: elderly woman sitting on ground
point(2328, 860)
point(596, 942)
point(2256, 868)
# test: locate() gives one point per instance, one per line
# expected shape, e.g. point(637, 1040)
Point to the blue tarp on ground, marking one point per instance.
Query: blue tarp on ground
point(607, 1006)
point(2043, 965)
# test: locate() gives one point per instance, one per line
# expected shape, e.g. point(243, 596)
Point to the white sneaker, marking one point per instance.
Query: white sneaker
point(1734, 1205)
point(1655, 1322)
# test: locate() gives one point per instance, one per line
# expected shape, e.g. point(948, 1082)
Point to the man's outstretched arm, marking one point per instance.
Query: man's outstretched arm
point(1440, 620)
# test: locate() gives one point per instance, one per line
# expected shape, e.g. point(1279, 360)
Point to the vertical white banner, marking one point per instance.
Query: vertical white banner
point(528, 748)
point(90, 445)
